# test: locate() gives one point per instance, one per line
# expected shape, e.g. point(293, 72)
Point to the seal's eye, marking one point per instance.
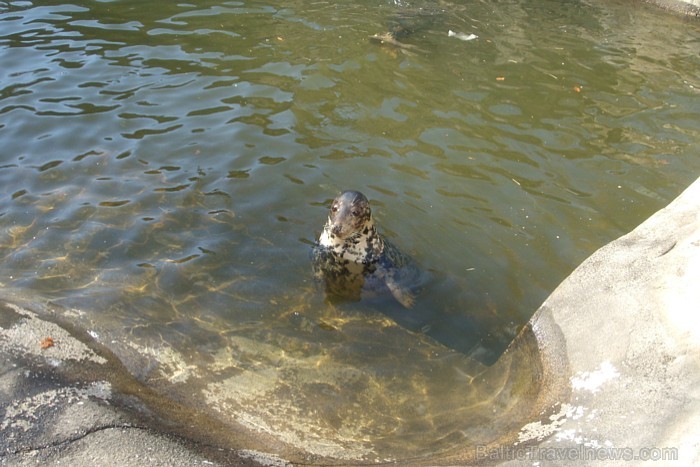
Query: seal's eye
point(355, 212)
point(334, 208)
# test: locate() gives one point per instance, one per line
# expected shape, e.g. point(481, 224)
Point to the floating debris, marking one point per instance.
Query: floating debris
point(461, 36)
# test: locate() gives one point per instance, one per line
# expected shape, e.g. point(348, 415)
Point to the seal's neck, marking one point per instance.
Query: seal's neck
point(362, 246)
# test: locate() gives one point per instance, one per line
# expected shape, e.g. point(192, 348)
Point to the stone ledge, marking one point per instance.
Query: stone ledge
point(629, 317)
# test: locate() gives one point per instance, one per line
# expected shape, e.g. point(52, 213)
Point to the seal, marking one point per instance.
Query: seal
point(352, 257)
point(405, 22)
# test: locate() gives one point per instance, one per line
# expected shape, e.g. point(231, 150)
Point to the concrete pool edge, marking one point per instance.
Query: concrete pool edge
point(617, 343)
point(628, 315)
point(619, 349)
point(689, 8)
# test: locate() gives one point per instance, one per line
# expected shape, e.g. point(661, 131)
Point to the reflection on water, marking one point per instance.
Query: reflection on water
point(166, 166)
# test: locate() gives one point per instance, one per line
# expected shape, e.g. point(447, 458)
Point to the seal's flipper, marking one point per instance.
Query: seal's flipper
point(401, 294)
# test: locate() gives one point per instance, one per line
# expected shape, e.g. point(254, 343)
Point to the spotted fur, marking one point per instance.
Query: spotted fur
point(351, 256)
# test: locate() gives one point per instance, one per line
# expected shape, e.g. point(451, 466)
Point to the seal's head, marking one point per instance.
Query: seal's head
point(349, 215)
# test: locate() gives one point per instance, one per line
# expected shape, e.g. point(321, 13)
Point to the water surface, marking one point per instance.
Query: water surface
point(166, 166)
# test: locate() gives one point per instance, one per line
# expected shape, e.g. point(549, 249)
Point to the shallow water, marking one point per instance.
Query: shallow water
point(166, 166)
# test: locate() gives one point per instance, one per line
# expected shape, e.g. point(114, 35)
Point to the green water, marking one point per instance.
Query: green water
point(165, 167)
